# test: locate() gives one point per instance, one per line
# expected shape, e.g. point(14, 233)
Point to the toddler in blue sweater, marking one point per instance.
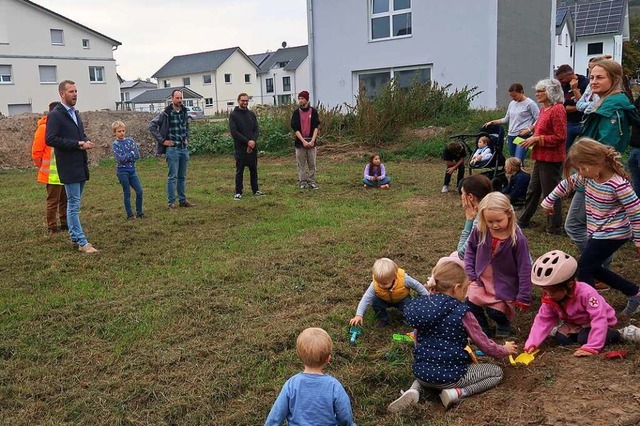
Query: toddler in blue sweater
point(126, 152)
point(312, 397)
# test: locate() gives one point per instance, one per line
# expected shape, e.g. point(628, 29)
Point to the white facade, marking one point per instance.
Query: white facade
point(56, 49)
point(220, 88)
point(473, 43)
point(604, 43)
point(564, 47)
point(274, 88)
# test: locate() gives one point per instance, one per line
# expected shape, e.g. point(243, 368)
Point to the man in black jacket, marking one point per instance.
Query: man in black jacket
point(243, 126)
point(305, 122)
point(170, 128)
point(65, 133)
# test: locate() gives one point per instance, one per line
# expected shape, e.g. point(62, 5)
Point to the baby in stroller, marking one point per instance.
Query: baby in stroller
point(483, 154)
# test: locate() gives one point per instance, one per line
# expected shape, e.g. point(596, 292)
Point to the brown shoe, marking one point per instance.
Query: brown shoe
point(88, 249)
point(600, 286)
point(172, 206)
point(187, 204)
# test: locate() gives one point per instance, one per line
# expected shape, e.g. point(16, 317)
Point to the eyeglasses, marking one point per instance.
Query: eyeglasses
point(541, 91)
point(244, 100)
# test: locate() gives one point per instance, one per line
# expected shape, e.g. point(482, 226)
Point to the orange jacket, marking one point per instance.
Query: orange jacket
point(43, 156)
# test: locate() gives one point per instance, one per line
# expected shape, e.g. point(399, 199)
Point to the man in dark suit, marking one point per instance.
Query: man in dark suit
point(65, 133)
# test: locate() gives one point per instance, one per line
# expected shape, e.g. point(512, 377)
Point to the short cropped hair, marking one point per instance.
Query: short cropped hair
point(384, 269)
point(313, 346)
point(52, 105)
point(63, 85)
point(173, 92)
point(116, 125)
point(241, 95)
point(564, 69)
point(553, 89)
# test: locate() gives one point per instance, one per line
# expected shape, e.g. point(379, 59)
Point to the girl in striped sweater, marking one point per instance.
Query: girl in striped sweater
point(613, 212)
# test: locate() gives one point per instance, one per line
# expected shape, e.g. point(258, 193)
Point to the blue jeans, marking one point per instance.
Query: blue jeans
point(573, 131)
point(128, 180)
point(516, 150)
point(74, 196)
point(575, 225)
point(634, 167)
point(380, 306)
point(377, 183)
point(177, 159)
point(590, 266)
point(613, 336)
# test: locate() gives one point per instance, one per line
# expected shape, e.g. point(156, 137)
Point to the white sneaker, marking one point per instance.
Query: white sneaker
point(445, 188)
point(630, 333)
point(88, 249)
point(408, 398)
point(449, 397)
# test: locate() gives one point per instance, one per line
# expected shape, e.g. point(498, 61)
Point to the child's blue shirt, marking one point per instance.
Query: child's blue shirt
point(126, 153)
point(311, 399)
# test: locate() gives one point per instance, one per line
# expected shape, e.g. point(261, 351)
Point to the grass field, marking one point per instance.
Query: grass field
point(190, 317)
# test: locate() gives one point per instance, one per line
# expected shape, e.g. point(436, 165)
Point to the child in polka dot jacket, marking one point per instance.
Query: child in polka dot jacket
point(443, 324)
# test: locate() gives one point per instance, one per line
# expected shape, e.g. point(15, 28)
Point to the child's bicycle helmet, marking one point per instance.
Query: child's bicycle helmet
point(553, 268)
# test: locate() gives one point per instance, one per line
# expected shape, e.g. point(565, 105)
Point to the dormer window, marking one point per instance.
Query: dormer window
point(281, 64)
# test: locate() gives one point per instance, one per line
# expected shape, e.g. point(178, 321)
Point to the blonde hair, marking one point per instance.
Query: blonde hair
point(117, 124)
point(514, 163)
point(485, 139)
point(499, 202)
point(384, 268)
point(614, 72)
point(445, 276)
point(589, 152)
point(313, 346)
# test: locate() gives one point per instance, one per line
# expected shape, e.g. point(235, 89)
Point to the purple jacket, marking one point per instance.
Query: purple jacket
point(585, 307)
point(511, 266)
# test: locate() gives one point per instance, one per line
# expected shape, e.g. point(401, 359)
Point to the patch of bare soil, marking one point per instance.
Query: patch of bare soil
point(428, 132)
point(16, 135)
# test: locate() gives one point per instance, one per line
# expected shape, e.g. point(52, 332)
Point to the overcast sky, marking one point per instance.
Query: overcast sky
point(153, 31)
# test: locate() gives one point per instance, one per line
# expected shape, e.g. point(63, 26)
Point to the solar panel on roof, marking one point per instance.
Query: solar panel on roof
point(599, 17)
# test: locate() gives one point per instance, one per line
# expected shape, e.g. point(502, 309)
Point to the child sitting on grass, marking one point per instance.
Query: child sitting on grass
point(312, 397)
point(587, 319)
point(519, 180)
point(390, 288)
point(126, 152)
point(453, 156)
point(375, 174)
point(443, 326)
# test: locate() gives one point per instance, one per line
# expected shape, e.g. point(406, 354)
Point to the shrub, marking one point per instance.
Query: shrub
point(209, 137)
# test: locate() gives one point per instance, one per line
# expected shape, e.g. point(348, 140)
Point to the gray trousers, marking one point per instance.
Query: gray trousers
point(544, 178)
point(306, 159)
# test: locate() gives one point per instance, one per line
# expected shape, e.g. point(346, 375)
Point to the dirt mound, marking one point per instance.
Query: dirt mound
point(16, 135)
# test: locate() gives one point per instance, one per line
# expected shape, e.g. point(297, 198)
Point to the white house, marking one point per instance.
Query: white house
point(219, 76)
point(154, 100)
point(40, 48)
point(283, 74)
point(129, 89)
point(488, 44)
point(601, 28)
point(565, 36)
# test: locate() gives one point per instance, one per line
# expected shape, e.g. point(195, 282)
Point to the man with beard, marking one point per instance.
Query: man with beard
point(304, 123)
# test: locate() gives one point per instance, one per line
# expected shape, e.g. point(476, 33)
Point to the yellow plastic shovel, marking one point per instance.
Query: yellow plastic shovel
point(524, 358)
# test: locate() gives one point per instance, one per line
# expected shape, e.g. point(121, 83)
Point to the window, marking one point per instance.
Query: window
point(166, 83)
point(127, 96)
point(188, 102)
point(186, 81)
point(566, 40)
point(206, 79)
point(227, 78)
point(247, 78)
point(85, 43)
point(96, 74)
point(373, 82)
point(230, 104)
point(284, 99)
point(269, 83)
point(286, 84)
point(281, 64)
point(5, 74)
point(57, 37)
point(594, 48)
point(48, 74)
point(208, 102)
point(390, 18)
point(559, 39)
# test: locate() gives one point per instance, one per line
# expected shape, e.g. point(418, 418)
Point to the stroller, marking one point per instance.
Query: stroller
point(495, 164)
